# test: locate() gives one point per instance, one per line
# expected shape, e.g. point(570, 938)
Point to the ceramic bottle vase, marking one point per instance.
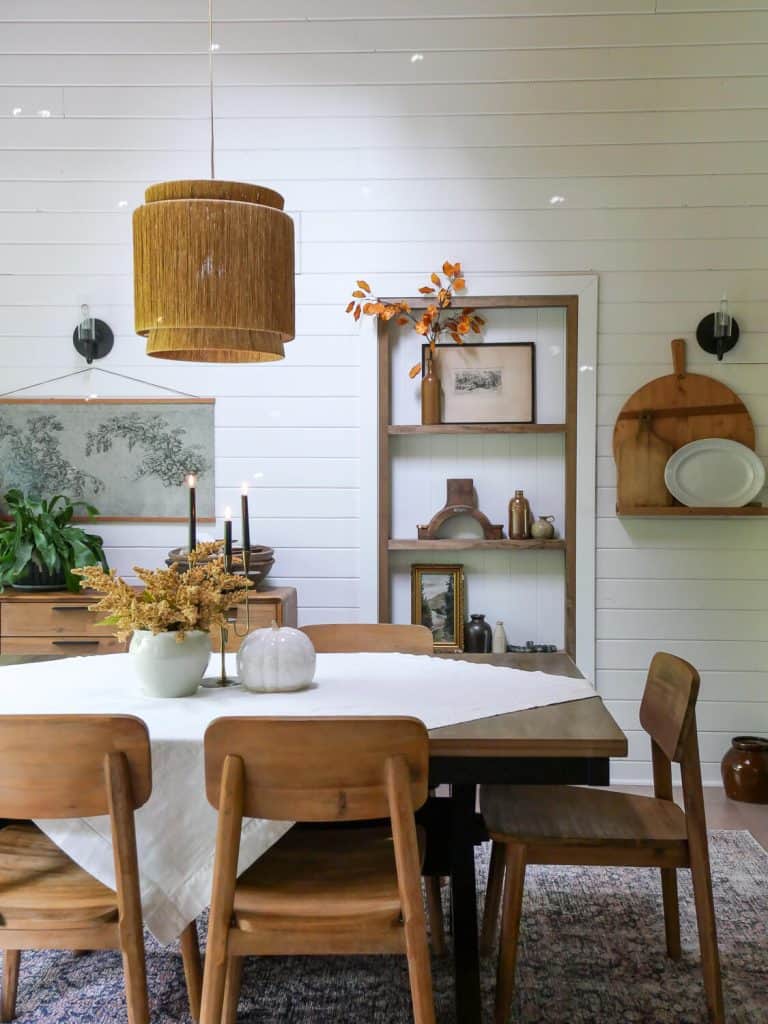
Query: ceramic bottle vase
point(745, 769)
point(430, 394)
point(519, 517)
point(478, 636)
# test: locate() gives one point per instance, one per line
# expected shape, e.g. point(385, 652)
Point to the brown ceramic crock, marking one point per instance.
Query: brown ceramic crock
point(745, 769)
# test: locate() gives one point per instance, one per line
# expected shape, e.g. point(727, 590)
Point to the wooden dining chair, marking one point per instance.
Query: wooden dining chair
point(383, 637)
point(350, 638)
point(75, 766)
point(331, 892)
point(581, 826)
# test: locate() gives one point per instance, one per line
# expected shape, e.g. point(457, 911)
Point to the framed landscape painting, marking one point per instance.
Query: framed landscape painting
point(127, 456)
point(437, 602)
point(486, 383)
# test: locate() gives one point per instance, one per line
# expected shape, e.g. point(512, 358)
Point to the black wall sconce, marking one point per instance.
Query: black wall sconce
point(718, 332)
point(92, 338)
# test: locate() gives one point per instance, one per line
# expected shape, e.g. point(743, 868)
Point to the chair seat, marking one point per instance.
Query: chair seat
point(322, 873)
point(572, 816)
point(40, 884)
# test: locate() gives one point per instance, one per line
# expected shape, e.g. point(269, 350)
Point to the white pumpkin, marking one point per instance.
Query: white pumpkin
point(275, 660)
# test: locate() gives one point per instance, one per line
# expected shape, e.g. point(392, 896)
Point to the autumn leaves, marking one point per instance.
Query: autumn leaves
point(438, 318)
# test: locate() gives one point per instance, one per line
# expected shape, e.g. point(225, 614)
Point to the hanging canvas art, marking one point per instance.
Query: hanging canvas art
point(127, 456)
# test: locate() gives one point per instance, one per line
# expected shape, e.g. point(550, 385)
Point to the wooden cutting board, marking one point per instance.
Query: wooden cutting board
point(685, 407)
point(640, 467)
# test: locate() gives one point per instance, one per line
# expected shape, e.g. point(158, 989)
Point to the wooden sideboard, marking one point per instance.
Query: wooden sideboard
point(57, 622)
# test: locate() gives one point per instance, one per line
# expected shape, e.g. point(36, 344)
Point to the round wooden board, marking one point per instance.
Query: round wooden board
point(716, 411)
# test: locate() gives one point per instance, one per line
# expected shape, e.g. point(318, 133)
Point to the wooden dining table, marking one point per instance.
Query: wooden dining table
point(562, 744)
point(565, 743)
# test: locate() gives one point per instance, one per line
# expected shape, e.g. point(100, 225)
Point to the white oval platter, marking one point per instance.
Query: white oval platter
point(714, 473)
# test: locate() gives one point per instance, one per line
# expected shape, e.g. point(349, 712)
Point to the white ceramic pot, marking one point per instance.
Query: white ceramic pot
point(166, 666)
point(274, 660)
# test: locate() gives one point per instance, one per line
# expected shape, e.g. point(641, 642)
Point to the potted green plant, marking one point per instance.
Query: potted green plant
point(39, 546)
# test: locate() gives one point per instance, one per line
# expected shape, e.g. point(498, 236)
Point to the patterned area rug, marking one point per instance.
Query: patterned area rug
point(592, 950)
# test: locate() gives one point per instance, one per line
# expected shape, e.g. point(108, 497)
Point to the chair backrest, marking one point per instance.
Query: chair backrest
point(349, 638)
point(316, 769)
point(668, 708)
point(55, 766)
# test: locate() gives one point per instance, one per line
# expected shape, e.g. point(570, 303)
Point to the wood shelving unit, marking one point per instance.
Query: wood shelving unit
point(475, 544)
point(387, 430)
point(684, 512)
point(399, 429)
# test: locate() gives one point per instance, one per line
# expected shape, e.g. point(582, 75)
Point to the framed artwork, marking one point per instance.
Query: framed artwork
point(486, 383)
point(127, 456)
point(437, 602)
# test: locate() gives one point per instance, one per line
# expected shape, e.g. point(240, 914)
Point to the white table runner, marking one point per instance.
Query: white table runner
point(176, 829)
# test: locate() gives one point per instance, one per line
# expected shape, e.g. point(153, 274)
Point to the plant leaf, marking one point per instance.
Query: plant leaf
point(435, 279)
point(427, 291)
point(415, 370)
point(459, 284)
point(357, 294)
point(350, 306)
point(357, 313)
point(364, 285)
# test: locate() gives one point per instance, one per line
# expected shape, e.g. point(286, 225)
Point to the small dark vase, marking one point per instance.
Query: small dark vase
point(745, 769)
point(478, 636)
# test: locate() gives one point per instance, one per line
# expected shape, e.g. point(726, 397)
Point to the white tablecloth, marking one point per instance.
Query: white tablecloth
point(176, 829)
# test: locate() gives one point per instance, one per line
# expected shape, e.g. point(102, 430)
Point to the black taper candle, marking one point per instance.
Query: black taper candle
point(228, 540)
point(244, 513)
point(192, 482)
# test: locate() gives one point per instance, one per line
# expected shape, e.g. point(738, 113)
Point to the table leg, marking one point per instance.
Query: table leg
point(466, 960)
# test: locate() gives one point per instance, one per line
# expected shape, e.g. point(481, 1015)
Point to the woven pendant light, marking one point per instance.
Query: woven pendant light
point(213, 272)
point(213, 267)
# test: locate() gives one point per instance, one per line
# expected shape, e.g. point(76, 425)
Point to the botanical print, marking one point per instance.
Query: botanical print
point(128, 458)
point(467, 381)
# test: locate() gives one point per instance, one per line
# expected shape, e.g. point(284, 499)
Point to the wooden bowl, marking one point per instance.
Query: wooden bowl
point(262, 560)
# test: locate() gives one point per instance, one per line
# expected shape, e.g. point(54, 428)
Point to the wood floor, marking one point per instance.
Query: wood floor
point(724, 813)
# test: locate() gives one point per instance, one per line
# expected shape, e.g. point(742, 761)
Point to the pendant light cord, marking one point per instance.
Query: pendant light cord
point(210, 81)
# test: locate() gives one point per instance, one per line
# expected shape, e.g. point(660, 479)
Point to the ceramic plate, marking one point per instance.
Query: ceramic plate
point(714, 473)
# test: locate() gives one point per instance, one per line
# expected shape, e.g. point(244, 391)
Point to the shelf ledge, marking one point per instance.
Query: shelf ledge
point(397, 429)
point(684, 512)
point(472, 544)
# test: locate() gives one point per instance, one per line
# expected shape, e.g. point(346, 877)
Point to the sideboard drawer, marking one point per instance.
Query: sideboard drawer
point(67, 647)
point(51, 618)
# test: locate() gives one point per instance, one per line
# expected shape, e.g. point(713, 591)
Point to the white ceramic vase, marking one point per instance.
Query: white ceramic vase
point(166, 666)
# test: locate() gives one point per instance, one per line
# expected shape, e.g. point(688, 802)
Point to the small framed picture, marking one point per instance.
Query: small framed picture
point(437, 602)
point(486, 383)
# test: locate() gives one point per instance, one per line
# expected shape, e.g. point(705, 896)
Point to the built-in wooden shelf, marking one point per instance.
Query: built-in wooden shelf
point(473, 544)
point(654, 511)
point(476, 428)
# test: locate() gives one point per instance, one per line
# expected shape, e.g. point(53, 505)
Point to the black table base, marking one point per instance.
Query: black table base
point(454, 829)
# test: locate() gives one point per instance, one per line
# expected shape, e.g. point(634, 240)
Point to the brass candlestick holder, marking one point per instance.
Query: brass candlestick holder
point(223, 679)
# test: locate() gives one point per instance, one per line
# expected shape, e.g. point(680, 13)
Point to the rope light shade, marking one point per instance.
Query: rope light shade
point(213, 272)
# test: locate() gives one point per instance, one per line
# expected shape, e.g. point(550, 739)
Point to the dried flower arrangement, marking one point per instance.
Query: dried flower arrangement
point(172, 600)
point(438, 318)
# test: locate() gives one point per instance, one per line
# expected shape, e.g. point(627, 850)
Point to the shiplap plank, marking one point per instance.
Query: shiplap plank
point(650, 350)
point(377, 68)
point(674, 563)
point(716, 717)
point(623, 379)
point(664, 624)
point(589, 193)
point(677, 595)
point(715, 93)
point(707, 655)
point(311, 36)
point(717, 688)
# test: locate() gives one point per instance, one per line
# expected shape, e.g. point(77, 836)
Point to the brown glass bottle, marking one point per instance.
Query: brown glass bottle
point(519, 517)
point(430, 394)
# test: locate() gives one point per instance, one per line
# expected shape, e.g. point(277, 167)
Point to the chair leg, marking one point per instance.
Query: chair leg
point(510, 929)
point(232, 990)
point(705, 919)
point(11, 962)
point(435, 907)
point(492, 898)
point(671, 912)
point(419, 971)
point(193, 968)
point(135, 971)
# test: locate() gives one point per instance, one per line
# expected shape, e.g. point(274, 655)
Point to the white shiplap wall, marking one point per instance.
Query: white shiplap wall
point(649, 116)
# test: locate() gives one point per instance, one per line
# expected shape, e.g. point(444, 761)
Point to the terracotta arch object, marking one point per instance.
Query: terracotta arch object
point(460, 501)
point(683, 407)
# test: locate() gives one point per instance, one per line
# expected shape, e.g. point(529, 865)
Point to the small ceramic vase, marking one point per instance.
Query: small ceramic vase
point(499, 638)
point(478, 637)
point(430, 394)
point(167, 666)
point(543, 528)
point(745, 769)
